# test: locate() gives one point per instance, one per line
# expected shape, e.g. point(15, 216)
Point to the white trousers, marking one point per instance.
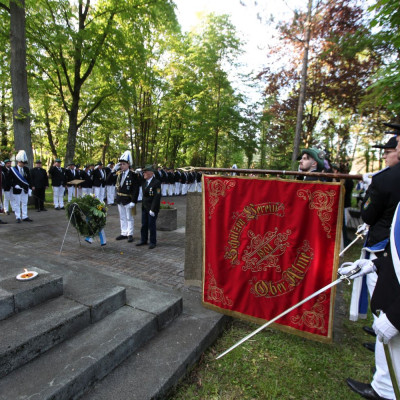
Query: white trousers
point(110, 191)
point(79, 192)
point(71, 192)
point(184, 188)
point(381, 382)
point(126, 220)
point(8, 200)
point(99, 192)
point(58, 196)
point(177, 188)
point(171, 189)
point(199, 187)
point(164, 187)
point(21, 205)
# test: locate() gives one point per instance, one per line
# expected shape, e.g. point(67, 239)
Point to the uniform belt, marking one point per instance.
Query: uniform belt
point(123, 194)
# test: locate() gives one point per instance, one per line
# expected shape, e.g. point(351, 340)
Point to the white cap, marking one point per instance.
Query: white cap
point(21, 156)
point(127, 157)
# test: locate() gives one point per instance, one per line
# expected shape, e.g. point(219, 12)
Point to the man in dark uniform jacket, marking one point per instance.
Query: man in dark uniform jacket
point(70, 175)
point(86, 176)
point(380, 203)
point(378, 209)
point(40, 182)
point(111, 180)
point(21, 186)
point(127, 191)
point(6, 183)
point(99, 181)
point(58, 181)
point(150, 207)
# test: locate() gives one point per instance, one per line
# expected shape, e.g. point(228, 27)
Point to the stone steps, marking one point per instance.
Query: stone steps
point(58, 348)
point(152, 371)
point(29, 334)
point(16, 296)
point(67, 370)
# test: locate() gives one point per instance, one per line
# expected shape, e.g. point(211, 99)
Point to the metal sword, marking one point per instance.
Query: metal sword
point(392, 372)
point(334, 283)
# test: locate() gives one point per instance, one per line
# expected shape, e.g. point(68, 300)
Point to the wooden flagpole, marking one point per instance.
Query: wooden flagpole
point(279, 172)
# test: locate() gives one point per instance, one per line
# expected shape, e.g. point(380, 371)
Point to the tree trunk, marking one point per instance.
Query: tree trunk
point(4, 138)
point(49, 134)
point(72, 131)
point(19, 80)
point(303, 86)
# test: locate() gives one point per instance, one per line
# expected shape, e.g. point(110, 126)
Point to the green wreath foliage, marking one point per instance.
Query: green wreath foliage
point(87, 214)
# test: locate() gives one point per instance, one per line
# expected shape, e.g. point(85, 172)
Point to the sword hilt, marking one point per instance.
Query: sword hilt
point(352, 272)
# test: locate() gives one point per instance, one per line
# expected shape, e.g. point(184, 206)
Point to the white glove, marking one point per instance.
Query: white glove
point(137, 170)
point(367, 179)
point(117, 167)
point(362, 229)
point(367, 266)
point(384, 329)
point(29, 192)
point(131, 205)
point(152, 213)
point(17, 187)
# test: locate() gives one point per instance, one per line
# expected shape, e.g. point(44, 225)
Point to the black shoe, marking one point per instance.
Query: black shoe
point(3, 222)
point(57, 208)
point(103, 244)
point(18, 220)
point(152, 246)
point(43, 209)
point(62, 208)
point(130, 239)
point(364, 390)
point(37, 210)
point(369, 346)
point(121, 237)
point(141, 244)
point(369, 330)
point(27, 219)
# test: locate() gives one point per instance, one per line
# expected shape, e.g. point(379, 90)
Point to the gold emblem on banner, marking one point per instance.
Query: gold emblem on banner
point(315, 318)
point(322, 201)
point(241, 219)
point(215, 293)
point(264, 250)
point(217, 188)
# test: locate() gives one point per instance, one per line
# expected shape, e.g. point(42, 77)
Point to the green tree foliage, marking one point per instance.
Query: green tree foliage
point(336, 84)
point(386, 41)
point(115, 75)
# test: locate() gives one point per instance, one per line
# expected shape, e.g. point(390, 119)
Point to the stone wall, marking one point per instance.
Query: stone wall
point(194, 242)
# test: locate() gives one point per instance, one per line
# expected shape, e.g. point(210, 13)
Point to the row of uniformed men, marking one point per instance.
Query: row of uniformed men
point(95, 179)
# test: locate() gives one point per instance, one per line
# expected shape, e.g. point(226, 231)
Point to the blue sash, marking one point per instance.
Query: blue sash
point(395, 242)
point(20, 177)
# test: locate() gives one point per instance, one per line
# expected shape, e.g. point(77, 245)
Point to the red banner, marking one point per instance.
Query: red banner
point(268, 244)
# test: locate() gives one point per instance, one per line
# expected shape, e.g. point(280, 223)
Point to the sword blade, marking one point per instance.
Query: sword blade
point(241, 341)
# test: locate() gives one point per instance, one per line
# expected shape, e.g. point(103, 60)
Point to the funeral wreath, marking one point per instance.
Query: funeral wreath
point(87, 214)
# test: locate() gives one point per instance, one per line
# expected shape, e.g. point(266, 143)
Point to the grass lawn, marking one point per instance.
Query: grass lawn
point(277, 365)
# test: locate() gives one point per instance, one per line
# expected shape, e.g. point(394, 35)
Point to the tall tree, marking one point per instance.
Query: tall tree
point(19, 81)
